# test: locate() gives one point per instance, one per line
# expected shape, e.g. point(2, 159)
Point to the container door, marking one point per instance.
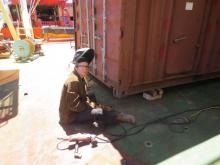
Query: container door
point(212, 53)
point(187, 19)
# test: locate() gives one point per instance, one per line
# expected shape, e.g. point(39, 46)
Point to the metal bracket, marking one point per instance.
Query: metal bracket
point(98, 37)
point(179, 39)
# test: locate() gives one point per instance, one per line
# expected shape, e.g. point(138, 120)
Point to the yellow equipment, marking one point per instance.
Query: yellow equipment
point(8, 21)
point(25, 48)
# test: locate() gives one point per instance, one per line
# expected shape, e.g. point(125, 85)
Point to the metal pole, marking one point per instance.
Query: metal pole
point(32, 10)
point(104, 42)
point(93, 34)
point(18, 12)
point(80, 29)
point(31, 5)
point(26, 18)
point(87, 23)
point(74, 24)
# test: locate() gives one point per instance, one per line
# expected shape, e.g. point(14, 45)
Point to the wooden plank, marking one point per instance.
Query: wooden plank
point(7, 76)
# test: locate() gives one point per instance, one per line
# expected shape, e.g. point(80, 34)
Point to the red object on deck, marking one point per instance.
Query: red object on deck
point(37, 32)
point(6, 33)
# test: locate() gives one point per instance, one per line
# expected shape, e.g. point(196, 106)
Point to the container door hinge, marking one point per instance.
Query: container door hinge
point(97, 37)
point(119, 82)
point(95, 11)
point(122, 33)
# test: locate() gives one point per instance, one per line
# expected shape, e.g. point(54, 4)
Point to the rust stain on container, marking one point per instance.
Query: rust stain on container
point(145, 44)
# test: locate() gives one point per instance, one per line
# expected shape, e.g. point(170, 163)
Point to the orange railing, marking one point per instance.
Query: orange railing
point(52, 23)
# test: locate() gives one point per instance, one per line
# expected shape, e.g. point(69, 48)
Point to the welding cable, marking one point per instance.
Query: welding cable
point(102, 140)
point(59, 145)
point(185, 120)
point(164, 120)
point(142, 126)
point(61, 142)
point(194, 116)
point(176, 124)
point(191, 118)
point(119, 134)
point(145, 124)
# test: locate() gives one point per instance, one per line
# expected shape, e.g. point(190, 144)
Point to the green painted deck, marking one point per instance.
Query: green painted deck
point(160, 141)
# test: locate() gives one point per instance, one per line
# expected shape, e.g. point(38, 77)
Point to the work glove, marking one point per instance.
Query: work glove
point(97, 111)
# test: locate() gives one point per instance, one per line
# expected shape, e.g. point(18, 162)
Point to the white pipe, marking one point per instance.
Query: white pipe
point(104, 42)
point(80, 29)
point(32, 10)
point(31, 5)
point(87, 23)
point(93, 24)
point(26, 18)
point(93, 34)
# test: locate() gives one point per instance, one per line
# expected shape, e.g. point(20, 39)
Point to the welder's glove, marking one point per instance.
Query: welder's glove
point(97, 111)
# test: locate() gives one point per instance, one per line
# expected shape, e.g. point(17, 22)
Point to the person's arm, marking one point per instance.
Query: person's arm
point(74, 100)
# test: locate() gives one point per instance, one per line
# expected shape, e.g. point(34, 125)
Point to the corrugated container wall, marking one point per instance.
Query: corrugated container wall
point(146, 44)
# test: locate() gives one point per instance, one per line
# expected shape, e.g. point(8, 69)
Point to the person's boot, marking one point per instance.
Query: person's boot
point(123, 117)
